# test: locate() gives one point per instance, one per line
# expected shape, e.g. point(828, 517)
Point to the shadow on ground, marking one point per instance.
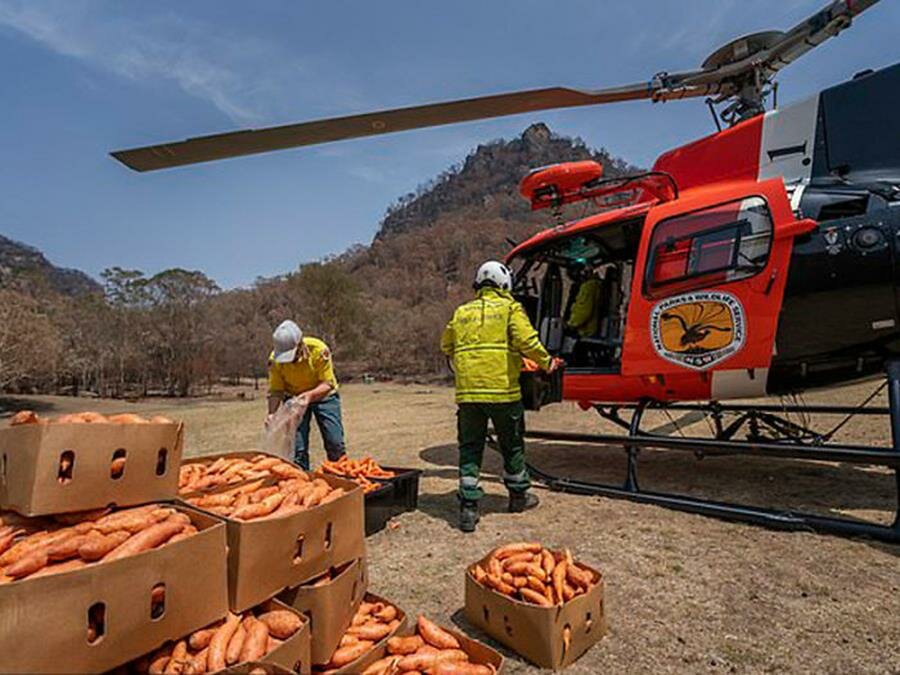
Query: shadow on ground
point(823, 488)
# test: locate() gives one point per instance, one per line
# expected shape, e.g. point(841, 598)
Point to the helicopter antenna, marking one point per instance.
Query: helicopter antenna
point(739, 75)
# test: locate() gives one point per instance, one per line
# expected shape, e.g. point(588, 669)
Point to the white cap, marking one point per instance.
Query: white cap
point(286, 339)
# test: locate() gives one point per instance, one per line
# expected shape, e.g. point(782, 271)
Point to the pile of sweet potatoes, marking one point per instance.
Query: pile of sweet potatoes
point(257, 499)
point(238, 638)
point(31, 417)
point(199, 476)
point(430, 650)
point(530, 573)
point(34, 547)
point(372, 622)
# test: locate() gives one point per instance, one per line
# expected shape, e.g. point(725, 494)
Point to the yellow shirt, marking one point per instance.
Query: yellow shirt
point(304, 373)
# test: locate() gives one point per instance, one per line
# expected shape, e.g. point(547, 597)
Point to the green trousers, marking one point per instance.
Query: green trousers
point(509, 424)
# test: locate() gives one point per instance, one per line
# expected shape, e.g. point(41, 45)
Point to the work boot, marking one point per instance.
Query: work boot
point(468, 515)
point(522, 501)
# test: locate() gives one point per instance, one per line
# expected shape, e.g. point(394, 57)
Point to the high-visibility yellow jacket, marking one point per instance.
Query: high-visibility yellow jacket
point(487, 338)
point(583, 315)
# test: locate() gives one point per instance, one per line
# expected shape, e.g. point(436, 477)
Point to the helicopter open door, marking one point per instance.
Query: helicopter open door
point(708, 285)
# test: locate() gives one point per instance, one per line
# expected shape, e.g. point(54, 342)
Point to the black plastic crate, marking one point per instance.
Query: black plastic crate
point(406, 488)
point(379, 508)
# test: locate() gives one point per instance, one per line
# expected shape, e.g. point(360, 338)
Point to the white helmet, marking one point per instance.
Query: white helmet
point(496, 273)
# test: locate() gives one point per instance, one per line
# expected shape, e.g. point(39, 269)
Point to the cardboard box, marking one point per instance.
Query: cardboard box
point(44, 621)
point(291, 656)
point(267, 555)
point(329, 606)
point(537, 632)
point(379, 651)
point(58, 468)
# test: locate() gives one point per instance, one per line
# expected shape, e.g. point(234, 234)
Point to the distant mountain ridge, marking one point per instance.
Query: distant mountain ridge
point(490, 174)
point(24, 268)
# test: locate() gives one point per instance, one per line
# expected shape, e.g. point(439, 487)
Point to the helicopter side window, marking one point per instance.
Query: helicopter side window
point(721, 244)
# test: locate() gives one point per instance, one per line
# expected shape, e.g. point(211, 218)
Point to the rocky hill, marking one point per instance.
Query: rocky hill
point(25, 269)
point(488, 178)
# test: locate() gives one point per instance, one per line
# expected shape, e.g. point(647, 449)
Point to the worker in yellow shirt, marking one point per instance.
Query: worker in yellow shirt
point(584, 315)
point(302, 367)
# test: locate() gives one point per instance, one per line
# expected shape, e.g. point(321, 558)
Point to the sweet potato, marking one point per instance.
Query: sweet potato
point(6, 541)
point(383, 666)
point(235, 645)
point(337, 493)
point(178, 660)
point(160, 419)
point(512, 549)
point(255, 642)
point(314, 496)
point(258, 510)
point(153, 536)
point(435, 635)
point(159, 662)
point(24, 417)
point(344, 655)
point(200, 638)
point(98, 545)
point(126, 418)
point(282, 624)
point(219, 642)
point(405, 645)
point(388, 613)
point(59, 568)
point(29, 564)
point(347, 639)
point(516, 558)
point(370, 631)
point(197, 664)
point(68, 547)
point(559, 581)
point(547, 563)
point(535, 597)
point(462, 668)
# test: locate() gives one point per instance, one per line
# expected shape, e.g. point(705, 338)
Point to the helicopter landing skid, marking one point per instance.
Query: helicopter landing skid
point(768, 434)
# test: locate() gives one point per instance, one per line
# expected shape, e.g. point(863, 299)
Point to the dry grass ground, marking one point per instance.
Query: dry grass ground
point(685, 593)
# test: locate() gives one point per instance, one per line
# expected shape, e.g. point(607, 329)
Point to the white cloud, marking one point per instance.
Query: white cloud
point(243, 77)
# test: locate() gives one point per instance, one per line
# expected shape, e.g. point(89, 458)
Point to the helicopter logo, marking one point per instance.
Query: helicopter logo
point(698, 330)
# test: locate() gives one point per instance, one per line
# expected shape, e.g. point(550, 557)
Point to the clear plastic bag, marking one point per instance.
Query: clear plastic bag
point(281, 431)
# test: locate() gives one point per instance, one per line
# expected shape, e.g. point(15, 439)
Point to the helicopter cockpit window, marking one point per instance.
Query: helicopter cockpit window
point(717, 245)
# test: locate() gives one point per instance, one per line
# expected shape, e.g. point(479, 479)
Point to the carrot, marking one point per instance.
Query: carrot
point(255, 643)
point(405, 645)
point(344, 655)
point(435, 635)
point(535, 597)
point(219, 642)
point(235, 645)
point(146, 539)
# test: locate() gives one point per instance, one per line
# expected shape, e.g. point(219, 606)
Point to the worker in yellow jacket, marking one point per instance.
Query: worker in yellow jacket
point(486, 340)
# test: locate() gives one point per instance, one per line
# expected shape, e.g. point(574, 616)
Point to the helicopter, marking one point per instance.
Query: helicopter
point(761, 260)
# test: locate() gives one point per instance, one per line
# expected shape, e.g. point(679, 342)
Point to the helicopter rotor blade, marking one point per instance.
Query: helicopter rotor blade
point(755, 58)
point(253, 141)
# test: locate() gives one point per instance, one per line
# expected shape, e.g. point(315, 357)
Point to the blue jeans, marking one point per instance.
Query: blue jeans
point(328, 418)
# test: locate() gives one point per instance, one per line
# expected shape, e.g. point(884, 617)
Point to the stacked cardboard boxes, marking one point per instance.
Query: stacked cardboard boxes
point(71, 615)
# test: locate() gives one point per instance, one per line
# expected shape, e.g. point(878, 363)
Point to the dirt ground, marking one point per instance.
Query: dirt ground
point(685, 593)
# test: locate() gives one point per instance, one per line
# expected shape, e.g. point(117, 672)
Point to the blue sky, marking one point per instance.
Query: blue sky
point(83, 77)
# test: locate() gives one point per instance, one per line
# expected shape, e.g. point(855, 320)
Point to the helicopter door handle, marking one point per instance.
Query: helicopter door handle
point(771, 282)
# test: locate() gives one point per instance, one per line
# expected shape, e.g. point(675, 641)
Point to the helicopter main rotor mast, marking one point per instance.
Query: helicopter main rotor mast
point(738, 75)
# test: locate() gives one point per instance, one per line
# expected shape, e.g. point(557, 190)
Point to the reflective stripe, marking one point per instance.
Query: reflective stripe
point(468, 481)
point(516, 477)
